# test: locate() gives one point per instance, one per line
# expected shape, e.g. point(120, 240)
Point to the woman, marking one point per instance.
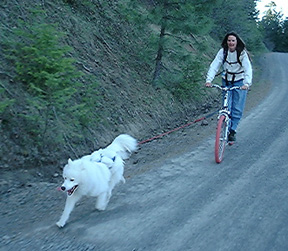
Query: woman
point(237, 71)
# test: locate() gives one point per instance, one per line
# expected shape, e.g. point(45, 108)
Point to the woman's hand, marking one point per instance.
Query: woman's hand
point(208, 84)
point(244, 87)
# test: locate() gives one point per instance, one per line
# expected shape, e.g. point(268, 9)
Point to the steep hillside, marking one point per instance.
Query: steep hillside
point(107, 51)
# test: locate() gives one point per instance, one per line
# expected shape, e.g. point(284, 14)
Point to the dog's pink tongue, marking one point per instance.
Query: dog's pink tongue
point(59, 188)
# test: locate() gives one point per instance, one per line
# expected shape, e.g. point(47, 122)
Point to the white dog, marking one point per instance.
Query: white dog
point(96, 174)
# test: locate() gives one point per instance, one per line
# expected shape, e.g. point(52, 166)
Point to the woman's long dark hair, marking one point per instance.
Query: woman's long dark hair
point(239, 47)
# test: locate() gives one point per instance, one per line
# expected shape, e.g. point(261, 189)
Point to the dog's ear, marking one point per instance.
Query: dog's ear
point(69, 161)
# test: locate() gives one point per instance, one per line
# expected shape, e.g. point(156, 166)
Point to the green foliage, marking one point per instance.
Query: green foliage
point(238, 16)
point(171, 24)
point(5, 102)
point(188, 85)
point(77, 3)
point(182, 17)
point(41, 63)
point(274, 29)
point(56, 100)
point(282, 42)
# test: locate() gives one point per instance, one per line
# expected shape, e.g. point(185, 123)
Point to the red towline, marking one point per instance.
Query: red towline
point(176, 129)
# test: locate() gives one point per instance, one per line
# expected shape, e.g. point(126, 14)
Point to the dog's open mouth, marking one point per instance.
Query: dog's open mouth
point(72, 190)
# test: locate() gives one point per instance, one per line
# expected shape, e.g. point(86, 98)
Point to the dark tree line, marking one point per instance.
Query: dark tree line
point(181, 35)
point(176, 19)
point(274, 29)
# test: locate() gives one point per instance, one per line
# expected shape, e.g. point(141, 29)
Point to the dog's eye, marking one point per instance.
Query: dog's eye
point(71, 179)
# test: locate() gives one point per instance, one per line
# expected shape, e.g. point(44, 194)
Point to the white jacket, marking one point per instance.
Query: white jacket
point(231, 67)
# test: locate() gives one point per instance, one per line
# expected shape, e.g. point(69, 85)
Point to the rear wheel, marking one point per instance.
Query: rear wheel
point(221, 139)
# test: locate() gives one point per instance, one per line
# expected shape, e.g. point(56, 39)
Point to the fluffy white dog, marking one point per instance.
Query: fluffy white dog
point(96, 174)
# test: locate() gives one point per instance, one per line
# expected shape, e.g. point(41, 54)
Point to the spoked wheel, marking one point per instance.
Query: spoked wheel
point(221, 139)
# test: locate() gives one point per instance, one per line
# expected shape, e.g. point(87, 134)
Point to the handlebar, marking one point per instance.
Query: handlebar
point(225, 88)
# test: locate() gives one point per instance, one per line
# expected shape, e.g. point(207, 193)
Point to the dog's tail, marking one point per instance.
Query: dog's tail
point(124, 145)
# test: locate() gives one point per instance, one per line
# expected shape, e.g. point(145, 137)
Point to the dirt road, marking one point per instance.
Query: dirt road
point(180, 199)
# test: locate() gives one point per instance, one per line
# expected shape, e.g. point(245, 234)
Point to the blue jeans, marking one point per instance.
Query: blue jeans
point(237, 100)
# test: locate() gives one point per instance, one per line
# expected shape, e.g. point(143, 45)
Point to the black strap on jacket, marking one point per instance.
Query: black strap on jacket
point(233, 76)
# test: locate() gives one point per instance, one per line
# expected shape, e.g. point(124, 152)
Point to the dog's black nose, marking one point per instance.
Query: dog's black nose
point(63, 188)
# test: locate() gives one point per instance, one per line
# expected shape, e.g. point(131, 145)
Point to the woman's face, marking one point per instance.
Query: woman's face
point(232, 43)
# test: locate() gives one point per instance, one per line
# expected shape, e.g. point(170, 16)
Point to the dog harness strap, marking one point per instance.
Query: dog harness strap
point(101, 156)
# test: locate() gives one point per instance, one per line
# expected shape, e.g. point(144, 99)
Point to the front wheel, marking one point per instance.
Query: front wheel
point(221, 138)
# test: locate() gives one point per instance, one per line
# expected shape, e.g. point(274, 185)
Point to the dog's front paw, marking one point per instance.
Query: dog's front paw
point(101, 208)
point(60, 224)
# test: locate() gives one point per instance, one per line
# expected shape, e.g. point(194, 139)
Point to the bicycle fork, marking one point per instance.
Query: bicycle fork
point(226, 114)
